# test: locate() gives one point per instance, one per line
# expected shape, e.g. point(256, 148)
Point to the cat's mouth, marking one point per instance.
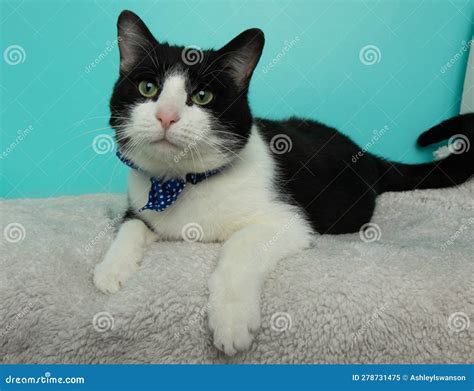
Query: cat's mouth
point(164, 142)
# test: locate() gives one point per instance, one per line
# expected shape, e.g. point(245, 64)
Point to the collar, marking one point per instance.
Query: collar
point(164, 193)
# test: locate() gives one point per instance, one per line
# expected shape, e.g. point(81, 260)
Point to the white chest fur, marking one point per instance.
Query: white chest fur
point(242, 194)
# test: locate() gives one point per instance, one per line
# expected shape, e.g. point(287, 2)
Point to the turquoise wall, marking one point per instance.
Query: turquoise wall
point(54, 103)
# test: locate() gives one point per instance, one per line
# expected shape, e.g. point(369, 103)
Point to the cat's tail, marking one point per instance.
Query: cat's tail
point(455, 168)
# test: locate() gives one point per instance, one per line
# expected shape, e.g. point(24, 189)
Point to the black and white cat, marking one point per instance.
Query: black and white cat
point(175, 117)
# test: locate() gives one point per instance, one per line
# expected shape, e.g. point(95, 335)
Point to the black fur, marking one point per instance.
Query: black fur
point(131, 214)
point(318, 173)
point(339, 194)
point(154, 60)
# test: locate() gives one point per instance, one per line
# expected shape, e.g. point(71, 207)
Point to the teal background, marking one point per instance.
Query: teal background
point(320, 77)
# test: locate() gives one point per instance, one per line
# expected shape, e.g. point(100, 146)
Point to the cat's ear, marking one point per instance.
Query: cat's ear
point(240, 56)
point(134, 40)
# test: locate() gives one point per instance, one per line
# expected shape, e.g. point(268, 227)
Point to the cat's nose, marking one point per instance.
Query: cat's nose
point(167, 118)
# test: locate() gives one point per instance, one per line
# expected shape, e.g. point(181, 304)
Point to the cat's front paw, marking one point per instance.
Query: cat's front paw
point(233, 324)
point(110, 277)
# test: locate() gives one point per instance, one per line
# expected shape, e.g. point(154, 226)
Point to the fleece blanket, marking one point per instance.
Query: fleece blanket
point(400, 291)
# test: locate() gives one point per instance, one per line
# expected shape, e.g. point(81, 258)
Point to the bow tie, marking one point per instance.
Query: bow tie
point(163, 193)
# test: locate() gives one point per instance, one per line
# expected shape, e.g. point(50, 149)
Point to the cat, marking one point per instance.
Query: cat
point(178, 113)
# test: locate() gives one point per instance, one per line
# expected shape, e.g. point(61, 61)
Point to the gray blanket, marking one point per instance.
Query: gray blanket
point(402, 291)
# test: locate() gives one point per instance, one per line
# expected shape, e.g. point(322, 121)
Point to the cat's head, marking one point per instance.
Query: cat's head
point(177, 109)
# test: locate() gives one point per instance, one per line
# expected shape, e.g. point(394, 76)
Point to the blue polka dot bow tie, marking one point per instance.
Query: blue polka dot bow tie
point(163, 193)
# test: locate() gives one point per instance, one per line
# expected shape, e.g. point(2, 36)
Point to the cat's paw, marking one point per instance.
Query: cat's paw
point(109, 277)
point(233, 324)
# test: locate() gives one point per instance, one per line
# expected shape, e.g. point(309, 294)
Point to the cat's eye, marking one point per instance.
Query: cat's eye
point(202, 97)
point(147, 88)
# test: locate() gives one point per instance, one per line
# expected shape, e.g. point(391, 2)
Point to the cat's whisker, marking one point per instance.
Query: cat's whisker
point(234, 137)
point(192, 157)
point(96, 130)
point(85, 120)
point(224, 147)
point(200, 159)
point(215, 147)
